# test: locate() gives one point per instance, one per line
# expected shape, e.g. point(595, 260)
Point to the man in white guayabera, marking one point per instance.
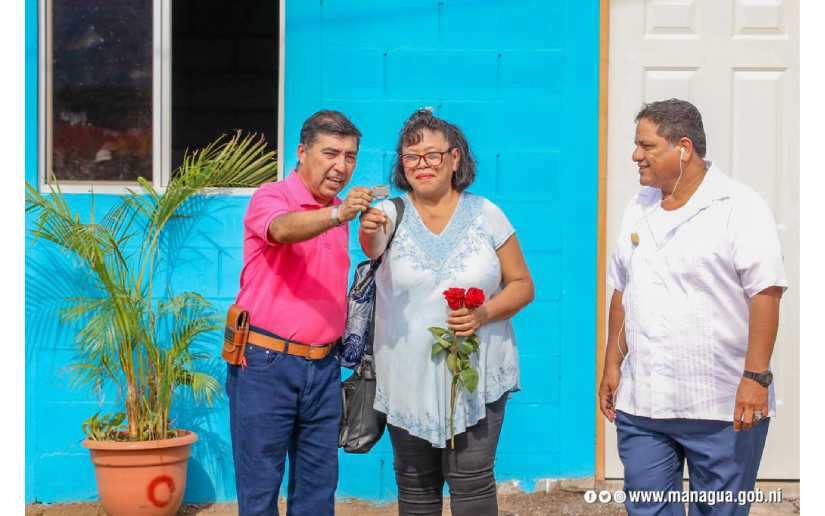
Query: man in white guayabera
point(697, 275)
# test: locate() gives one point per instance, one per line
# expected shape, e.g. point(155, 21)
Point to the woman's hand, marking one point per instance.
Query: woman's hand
point(464, 322)
point(372, 220)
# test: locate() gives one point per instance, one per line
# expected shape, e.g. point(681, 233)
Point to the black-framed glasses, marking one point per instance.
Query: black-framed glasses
point(431, 159)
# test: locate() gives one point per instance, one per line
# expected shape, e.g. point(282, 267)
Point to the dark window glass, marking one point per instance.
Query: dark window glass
point(224, 71)
point(101, 105)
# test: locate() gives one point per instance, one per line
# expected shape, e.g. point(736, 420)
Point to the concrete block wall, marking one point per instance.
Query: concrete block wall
point(521, 79)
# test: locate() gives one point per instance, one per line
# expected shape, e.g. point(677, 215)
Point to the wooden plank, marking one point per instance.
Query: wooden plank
point(601, 246)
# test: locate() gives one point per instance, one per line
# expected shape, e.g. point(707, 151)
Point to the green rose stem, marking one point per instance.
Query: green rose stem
point(458, 350)
point(453, 391)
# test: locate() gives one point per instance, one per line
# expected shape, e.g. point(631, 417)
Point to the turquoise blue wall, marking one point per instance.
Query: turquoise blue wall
point(521, 78)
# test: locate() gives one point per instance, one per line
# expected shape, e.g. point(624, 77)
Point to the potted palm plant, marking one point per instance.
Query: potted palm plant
point(136, 336)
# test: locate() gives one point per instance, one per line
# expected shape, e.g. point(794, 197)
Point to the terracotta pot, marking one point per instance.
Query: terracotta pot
point(142, 477)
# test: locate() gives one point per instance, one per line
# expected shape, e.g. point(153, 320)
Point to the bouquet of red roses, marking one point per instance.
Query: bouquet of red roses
point(458, 349)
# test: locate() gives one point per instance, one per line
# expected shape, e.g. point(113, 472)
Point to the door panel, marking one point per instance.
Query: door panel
point(738, 61)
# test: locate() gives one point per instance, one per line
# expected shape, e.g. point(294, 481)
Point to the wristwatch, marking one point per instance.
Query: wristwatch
point(334, 216)
point(764, 379)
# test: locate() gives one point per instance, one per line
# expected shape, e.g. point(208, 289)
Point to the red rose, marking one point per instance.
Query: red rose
point(454, 297)
point(474, 298)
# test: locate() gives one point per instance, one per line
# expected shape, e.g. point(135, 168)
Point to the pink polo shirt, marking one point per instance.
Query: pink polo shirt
point(297, 291)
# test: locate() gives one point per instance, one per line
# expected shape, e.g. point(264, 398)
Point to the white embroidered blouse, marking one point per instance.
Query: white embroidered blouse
point(413, 389)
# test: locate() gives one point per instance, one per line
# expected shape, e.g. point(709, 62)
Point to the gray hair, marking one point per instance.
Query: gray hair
point(676, 119)
point(328, 122)
point(413, 132)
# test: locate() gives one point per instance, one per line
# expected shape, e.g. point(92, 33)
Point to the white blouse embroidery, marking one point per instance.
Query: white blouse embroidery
point(412, 388)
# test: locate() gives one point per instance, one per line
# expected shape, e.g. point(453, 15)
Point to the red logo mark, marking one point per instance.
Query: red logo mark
point(153, 485)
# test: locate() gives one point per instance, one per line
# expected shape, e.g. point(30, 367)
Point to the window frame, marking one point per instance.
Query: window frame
point(161, 105)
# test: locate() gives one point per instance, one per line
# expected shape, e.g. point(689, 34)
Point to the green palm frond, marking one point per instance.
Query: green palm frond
point(204, 386)
point(146, 348)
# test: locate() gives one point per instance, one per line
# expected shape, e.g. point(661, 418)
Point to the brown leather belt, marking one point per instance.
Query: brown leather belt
point(290, 348)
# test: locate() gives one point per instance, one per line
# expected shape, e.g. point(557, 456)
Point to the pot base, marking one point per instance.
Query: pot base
point(141, 477)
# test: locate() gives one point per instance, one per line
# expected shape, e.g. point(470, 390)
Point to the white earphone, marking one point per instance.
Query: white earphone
point(681, 158)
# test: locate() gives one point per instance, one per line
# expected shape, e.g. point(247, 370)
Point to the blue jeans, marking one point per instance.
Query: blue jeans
point(653, 452)
point(282, 404)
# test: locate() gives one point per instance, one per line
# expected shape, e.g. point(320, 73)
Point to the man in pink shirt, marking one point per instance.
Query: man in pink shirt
point(285, 398)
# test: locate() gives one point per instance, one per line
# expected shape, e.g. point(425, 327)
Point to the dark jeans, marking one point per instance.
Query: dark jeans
point(420, 469)
point(282, 404)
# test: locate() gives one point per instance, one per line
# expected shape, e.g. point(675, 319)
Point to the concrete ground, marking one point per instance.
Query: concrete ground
point(564, 498)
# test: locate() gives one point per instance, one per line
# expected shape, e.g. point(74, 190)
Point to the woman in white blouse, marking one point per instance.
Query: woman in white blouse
point(447, 238)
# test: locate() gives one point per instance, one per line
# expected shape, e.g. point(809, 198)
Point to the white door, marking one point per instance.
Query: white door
point(738, 62)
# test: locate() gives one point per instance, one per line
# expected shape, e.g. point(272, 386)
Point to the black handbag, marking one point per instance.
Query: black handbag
point(361, 425)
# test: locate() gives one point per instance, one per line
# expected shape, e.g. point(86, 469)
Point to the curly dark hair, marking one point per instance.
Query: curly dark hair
point(413, 132)
point(676, 119)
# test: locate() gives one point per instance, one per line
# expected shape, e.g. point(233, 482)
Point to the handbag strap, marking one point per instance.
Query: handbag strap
point(399, 214)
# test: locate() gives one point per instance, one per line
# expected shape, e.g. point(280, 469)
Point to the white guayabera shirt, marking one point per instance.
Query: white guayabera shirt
point(413, 389)
point(686, 290)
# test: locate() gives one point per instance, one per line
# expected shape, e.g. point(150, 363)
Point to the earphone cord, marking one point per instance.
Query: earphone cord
point(677, 180)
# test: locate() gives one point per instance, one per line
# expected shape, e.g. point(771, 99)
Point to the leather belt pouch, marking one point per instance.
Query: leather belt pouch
point(236, 335)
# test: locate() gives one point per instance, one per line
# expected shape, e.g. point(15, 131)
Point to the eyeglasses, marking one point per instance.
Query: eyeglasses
point(431, 159)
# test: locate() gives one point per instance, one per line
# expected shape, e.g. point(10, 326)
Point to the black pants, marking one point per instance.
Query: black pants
point(421, 469)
